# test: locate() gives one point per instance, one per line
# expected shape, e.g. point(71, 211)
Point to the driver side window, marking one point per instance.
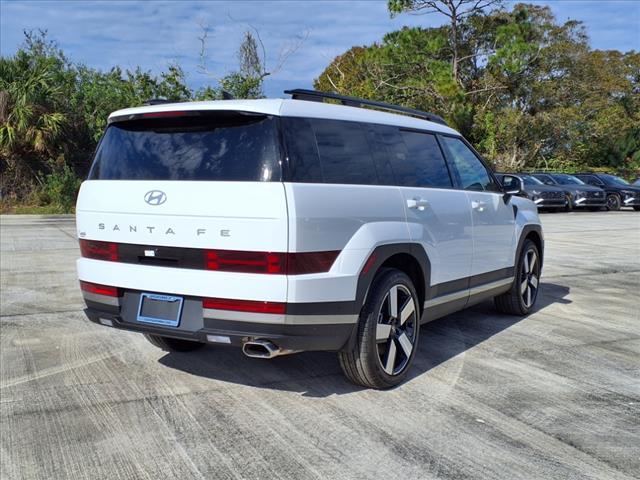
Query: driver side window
point(469, 170)
point(596, 181)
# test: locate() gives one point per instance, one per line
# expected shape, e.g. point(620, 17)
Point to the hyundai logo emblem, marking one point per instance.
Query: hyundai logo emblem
point(155, 197)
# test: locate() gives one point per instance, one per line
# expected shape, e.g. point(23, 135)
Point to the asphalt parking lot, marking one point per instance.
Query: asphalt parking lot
point(553, 395)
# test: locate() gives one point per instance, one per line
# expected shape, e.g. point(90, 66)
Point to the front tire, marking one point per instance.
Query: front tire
point(613, 202)
point(169, 344)
point(521, 298)
point(387, 336)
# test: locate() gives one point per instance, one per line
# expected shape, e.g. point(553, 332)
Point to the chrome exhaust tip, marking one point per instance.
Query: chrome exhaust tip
point(264, 349)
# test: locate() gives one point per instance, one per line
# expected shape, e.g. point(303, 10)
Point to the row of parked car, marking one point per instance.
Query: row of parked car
point(591, 191)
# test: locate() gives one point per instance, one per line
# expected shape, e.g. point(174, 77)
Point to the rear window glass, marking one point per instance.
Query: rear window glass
point(222, 146)
point(329, 151)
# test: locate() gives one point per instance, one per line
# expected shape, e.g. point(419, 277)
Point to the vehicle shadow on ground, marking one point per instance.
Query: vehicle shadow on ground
point(318, 374)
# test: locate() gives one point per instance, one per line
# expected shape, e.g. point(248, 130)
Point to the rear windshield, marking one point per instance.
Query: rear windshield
point(223, 146)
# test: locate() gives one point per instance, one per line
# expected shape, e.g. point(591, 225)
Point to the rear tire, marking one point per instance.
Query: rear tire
point(387, 337)
point(521, 298)
point(172, 344)
point(613, 202)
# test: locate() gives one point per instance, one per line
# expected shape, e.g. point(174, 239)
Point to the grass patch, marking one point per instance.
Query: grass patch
point(8, 208)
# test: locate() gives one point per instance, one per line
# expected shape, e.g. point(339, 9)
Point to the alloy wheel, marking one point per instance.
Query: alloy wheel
point(613, 202)
point(396, 330)
point(529, 278)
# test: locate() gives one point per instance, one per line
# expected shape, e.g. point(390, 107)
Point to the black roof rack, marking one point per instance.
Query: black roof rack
point(315, 96)
point(157, 101)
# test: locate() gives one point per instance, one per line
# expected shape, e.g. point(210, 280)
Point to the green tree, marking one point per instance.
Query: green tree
point(32, 117)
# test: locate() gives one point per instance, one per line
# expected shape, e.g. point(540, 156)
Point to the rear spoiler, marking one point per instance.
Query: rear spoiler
point(180, 113)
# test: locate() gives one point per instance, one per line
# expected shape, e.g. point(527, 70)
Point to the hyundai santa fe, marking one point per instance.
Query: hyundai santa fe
point(619, 192)
point(579, 194)
point(289, 225)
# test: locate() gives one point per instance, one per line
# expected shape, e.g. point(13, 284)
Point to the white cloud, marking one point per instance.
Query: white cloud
point(153, 34)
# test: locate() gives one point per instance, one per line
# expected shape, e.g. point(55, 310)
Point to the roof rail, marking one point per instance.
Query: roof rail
point(157, 101)
point(315, 96)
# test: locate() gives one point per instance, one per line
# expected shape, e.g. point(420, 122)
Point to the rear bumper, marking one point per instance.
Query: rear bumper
point(328, 330)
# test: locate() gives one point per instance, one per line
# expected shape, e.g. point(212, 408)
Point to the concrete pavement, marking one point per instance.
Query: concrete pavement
point(553, 395)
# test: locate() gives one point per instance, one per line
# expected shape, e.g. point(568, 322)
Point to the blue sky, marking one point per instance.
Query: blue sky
point(153, 34)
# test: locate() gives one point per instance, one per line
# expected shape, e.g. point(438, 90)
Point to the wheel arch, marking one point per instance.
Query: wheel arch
point(409, 258)
point(533, 233)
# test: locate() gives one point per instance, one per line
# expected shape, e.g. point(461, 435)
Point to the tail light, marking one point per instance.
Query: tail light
point(164, 114)
point(310, 262)
point(99, 250)
point(253, 306)
point(245, 262)
point(270, 262)
point(98, 289)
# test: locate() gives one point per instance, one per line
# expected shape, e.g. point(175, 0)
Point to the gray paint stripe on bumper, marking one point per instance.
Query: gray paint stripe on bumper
point(250, 317)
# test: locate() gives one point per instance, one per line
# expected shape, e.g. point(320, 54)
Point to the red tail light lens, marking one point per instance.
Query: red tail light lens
point(253, 306)
point(310, 262)
point(269, 262)
point(99, 289)
point(99, 250)
point(164, 114)
point(245, 262)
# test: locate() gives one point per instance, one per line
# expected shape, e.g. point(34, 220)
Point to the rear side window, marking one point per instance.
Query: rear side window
point(222, 146)
point(471, 172)
point(415, 158)
point(329, 151)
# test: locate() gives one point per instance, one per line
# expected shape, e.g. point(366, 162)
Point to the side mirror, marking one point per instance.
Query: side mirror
point(512, 185)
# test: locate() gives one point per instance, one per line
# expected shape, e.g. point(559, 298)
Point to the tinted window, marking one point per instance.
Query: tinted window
point(213, 147)
point(304, 163)
point(329, 151)
point(468, 168)
point(345, 156)
point(415, 158)
point(590, 179)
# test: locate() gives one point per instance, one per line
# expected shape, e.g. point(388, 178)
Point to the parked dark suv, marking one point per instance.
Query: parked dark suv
point(578, 193)
point(544, 196)
point(619, 192)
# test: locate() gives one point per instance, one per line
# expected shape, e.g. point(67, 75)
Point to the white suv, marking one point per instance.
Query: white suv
point(282, 226)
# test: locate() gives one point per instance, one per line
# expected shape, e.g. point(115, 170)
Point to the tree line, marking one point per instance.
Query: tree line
point(528, 91)
point(54, 111)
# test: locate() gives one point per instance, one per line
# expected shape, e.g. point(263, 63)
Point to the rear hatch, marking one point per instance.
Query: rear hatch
point(169, 186)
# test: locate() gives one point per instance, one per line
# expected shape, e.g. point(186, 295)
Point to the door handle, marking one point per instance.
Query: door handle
point(417, 203)
point(478, 206)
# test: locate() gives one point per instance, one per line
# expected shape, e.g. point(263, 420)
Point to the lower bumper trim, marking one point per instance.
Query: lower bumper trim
point(307, 337)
